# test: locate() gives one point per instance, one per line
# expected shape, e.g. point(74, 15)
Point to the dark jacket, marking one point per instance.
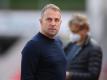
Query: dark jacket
point(86, 65)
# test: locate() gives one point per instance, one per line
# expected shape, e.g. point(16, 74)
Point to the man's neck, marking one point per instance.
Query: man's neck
point(50, 37)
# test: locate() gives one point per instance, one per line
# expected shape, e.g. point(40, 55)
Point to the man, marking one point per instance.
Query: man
point(84, 56)
point(42, 57)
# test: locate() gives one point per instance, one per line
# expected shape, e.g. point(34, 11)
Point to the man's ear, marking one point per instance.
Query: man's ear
point(61, 21)
point(40, 20)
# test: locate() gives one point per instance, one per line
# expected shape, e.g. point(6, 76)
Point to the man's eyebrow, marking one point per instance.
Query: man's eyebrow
point(48, 18)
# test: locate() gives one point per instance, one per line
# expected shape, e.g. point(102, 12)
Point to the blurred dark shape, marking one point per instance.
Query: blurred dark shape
point(6, 42)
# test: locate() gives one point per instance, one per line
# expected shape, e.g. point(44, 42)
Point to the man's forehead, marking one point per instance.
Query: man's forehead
point(52, 13)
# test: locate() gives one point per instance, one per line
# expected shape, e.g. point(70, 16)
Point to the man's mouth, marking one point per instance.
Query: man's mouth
point(52, 29)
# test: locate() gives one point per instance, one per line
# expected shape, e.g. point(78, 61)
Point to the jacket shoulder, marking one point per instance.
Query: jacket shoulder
point(94, 45)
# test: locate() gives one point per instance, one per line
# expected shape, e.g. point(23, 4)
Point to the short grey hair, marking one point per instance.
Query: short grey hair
point(50, 6)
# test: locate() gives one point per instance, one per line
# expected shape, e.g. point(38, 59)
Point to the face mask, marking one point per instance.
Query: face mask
point(74, 37)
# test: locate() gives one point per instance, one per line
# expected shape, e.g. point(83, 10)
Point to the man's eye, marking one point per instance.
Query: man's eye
point(49, 19)
point(56, 20)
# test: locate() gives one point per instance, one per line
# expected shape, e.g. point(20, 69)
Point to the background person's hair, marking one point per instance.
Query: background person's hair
point(81, 20)
point(50, 6)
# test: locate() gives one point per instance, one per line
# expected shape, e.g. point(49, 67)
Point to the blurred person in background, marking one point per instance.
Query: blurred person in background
point(83, 54)
point(42, 57)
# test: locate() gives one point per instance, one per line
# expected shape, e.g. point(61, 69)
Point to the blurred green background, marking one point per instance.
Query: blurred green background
point(38, 4)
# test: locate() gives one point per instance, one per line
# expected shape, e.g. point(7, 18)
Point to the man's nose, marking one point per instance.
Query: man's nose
point(53, 22)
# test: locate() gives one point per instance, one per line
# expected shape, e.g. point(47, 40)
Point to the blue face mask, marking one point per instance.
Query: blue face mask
point(74, 37)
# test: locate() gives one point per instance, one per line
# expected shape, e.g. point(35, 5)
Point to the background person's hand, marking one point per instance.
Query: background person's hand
point(68, 76)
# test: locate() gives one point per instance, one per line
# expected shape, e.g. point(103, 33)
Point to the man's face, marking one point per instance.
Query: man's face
point(50, 22)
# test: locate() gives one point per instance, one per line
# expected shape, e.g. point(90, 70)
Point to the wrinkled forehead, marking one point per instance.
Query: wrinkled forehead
point(51, 13)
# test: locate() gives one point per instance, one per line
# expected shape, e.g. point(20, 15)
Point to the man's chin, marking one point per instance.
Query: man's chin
point(52, 34)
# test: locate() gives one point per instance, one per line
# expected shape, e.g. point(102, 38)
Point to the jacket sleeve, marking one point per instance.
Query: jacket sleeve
point(29, 63)
point(94, 67)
